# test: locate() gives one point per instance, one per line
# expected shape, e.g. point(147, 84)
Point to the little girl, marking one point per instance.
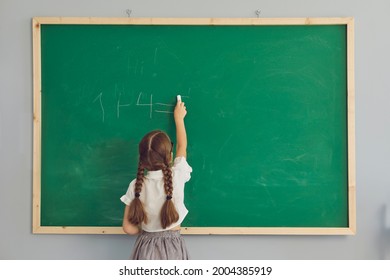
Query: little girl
point(155, 199)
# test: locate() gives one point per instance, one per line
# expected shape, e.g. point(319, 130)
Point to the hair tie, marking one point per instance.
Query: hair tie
point(169, 197)
point(137, 194)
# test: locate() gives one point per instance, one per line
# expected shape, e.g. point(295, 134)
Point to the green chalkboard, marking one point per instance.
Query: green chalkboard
point(267, 120)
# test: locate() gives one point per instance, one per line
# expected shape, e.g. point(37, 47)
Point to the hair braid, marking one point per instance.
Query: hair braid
point(168, 213)
point(140, 179)
point(168, 185)
point(137, 213)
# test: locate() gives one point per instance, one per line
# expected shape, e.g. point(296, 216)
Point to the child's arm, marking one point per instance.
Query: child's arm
point(181, 135)
point(128, 227)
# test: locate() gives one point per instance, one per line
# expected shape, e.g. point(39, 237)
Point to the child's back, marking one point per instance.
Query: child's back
point(155, 199)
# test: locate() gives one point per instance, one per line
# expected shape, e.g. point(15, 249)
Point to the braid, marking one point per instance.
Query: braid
point(140, 179)
point(137, 213)
point(168, 213)
point(168, 180)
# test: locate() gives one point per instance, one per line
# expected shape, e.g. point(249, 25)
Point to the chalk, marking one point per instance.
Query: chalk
point(179, 98)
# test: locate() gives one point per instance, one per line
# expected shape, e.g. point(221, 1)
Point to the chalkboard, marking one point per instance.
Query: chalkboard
point(269, 124)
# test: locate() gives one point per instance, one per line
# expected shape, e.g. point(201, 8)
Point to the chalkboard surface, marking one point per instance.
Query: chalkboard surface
point(267, 120)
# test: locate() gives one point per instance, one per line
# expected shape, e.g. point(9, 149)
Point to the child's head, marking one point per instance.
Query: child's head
point(155, 153)
point(155, 150)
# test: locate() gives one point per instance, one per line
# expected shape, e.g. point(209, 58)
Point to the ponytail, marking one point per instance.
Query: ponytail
point(168, 213)
point(137, 213)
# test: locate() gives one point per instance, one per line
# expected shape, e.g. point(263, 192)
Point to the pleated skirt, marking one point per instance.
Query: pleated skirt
point(164, 245)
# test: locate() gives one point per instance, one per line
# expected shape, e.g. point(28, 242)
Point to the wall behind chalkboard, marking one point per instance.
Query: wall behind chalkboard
point(267, 121)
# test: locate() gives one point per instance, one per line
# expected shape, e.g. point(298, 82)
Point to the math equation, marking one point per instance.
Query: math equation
point(145, 101)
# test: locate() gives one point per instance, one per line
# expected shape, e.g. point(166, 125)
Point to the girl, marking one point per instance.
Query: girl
point(155, 200)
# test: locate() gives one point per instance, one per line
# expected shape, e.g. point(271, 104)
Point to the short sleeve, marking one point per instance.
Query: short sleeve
point(182, 168)
point(129, 196)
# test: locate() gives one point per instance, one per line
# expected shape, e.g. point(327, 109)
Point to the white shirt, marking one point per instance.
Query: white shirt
point(153, 194)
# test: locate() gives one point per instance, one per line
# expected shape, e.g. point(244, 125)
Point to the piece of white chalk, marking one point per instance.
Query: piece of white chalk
point(179, 98)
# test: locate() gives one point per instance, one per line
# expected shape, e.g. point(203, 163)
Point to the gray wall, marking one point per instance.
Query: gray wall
point(372, 132)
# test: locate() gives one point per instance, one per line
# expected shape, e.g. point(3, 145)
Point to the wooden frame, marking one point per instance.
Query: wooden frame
point(349, 22)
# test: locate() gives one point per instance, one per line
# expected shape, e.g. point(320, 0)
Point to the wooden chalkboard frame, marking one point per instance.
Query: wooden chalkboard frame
point(36, 30)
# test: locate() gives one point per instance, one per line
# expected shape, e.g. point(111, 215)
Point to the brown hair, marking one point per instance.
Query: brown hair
point(154, 154)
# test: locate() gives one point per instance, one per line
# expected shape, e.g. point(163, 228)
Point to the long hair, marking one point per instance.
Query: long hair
point(155, 151)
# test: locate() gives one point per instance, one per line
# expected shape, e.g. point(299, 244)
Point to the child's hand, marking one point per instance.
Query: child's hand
point(180, 111)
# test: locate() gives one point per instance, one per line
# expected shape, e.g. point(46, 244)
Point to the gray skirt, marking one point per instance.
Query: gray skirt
point(163, 245)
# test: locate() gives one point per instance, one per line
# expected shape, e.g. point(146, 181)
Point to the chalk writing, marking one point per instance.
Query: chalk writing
point(143, 100)
point(170, 106)
point(101, 103)
point(146, 104)
point(119, 105)
point(163, 108)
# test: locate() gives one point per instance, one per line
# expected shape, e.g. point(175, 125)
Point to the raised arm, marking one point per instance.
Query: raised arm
point(181, 135)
